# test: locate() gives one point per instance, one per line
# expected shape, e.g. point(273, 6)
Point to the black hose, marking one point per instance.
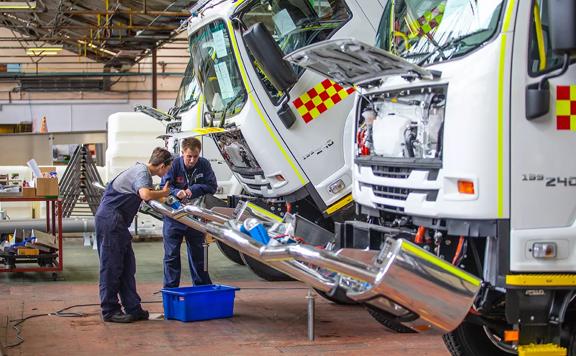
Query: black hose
point(409, 141)
point(477, 260)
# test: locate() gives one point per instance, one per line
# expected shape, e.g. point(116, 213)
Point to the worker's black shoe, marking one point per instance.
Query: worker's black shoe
point(118, 318)
point(141, 315)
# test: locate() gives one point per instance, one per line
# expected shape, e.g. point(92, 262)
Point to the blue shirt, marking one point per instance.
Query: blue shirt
point(200, 179)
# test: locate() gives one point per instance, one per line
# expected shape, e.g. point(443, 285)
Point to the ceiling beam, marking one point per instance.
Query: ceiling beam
point(127, 12)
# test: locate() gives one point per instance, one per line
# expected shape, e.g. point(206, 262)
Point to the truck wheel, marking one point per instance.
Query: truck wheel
point(572, 342)
point(264, 271)
point(339, 297)
point(388, 321)
point(230, 253)
point(475, 340)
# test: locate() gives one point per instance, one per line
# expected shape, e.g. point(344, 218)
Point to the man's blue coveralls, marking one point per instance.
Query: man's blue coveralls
point(201, 180)
point(118, 207)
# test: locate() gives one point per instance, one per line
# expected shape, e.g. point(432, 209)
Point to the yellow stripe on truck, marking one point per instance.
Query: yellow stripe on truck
point(199, 113)
point(501, 93)
point(339, 204)
point(264, 212)
point(542, 350)
point(440, 263)
point(541, 280)
point(253, 100)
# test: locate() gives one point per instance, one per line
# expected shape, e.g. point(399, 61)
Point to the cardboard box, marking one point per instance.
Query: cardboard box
point(45, 240)
point(46, 171)
point(28, 192)
point(47, 187)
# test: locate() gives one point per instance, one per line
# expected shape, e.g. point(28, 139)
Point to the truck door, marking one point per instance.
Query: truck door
point(543, 168)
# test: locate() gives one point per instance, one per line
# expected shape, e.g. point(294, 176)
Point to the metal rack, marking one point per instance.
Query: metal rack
point(53, 226)
point(77, 185)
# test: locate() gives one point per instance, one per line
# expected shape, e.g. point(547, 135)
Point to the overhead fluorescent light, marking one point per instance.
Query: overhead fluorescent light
point(17, 5)
point(43, 51)
point(47, 48)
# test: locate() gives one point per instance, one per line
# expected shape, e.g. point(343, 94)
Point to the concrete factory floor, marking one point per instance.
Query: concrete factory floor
point(269, 318)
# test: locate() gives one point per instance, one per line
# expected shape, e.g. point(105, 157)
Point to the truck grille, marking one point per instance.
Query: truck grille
point(390, 192)
point(258, 187)
point(391, 172)
point(400, 194)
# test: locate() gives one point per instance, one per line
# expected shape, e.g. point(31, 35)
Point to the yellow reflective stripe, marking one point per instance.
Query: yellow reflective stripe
point(441, 263)
point(264, 212)
point(541, 280)
point(541, 350)
point(501, 92)
point(253, 100)
point(539, 37)
point(238, 3)
point(199, 113)
point(391, 25)
point(339, 204)
point(508, 16)
point(500, 134)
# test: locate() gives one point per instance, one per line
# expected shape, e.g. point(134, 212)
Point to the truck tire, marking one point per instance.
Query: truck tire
point(470, 339)
point(264, 271)
point(230, 253)
point(387, 320)
point(572, 342)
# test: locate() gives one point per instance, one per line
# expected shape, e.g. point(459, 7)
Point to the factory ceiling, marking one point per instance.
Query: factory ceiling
point(116, 33)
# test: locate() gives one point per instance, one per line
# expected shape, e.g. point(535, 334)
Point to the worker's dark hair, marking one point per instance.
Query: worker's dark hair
point(192, 143)
point(160, 155)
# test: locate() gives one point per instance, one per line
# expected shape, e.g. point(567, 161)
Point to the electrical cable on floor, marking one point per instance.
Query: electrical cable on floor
point(60, 313)
point(63, 314)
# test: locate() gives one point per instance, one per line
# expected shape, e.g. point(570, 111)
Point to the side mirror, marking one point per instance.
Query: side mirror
point(266, 51)
point(537, 100)
point(562, 26)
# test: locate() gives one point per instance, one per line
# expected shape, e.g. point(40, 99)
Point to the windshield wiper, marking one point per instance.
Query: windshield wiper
point(229, 106)
point(450, 44)
point(187, 105)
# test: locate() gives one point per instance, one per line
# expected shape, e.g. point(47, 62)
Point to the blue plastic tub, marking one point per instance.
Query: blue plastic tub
point(199, 302)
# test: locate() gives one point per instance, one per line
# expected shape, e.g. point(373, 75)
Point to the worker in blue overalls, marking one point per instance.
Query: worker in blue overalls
point(191, 177)
point(117, 209)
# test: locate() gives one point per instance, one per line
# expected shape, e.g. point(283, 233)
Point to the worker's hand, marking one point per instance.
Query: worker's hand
point(166, 189)
point(188, 193)
point(181, 194)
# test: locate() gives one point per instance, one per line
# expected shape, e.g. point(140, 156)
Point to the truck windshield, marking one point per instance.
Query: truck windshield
point(189, 91)
point(216, 71)
point(432, 31)
point(295, 24)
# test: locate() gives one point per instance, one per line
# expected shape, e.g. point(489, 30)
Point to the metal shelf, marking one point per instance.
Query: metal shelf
point(53, 226)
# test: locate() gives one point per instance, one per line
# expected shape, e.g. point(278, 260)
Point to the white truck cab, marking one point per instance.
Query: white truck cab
point(463, 132)
point(284, 145)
